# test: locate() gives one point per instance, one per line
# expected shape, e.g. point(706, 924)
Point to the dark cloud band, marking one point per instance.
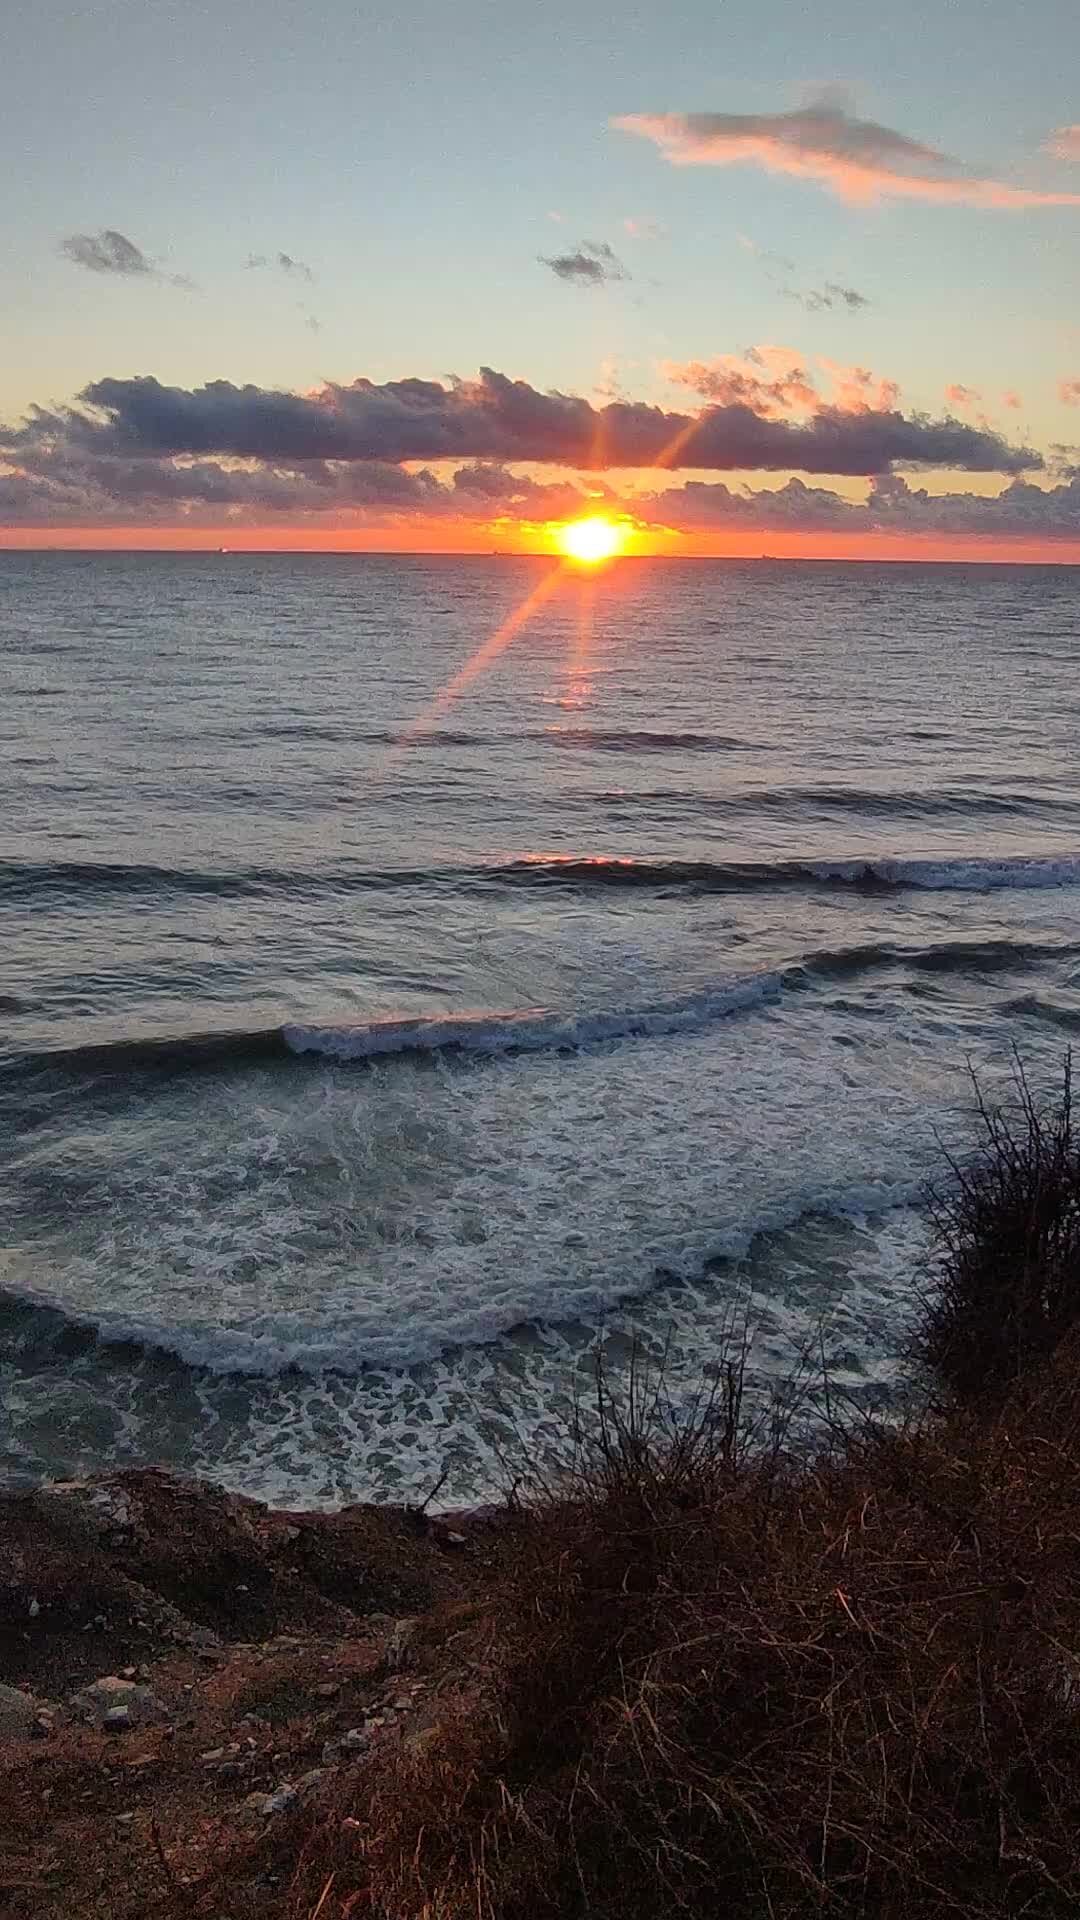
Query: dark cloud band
point(499, 419)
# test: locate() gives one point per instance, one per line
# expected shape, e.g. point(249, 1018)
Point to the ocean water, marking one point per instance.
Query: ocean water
point(381, 1034)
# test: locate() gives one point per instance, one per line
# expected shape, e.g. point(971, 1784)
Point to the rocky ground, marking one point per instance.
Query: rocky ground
point(187, 1677)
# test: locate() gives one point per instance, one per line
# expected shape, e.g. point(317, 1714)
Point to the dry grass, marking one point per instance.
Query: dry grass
point(1007, 1225)
point(848, 1688)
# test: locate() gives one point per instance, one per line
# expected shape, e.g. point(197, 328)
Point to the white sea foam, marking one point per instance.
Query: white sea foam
point(532, 1029)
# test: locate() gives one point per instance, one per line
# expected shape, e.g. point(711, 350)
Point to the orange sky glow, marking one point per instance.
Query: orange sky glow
point(464, 537)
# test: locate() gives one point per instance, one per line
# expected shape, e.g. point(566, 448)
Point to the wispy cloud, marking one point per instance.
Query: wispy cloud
point(590, 265)
point(828, 297)
point(1064, 143)
point(642, 227)
point(960, 396)
point(824, 297)
point(1012, 399)
point(1069, 392)
point(859, 160)
point(281, 262)
point(113, 253)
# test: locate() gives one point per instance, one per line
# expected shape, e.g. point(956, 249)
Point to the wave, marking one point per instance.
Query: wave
point(599, 739)
point(871, 874)
point(943, 956)
point(532, 1030)
point(42, 881)
point(527, 1030)
point(40, 1330)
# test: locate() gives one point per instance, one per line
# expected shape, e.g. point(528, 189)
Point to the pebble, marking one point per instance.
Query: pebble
point(355, 1740)
point(117, 1718)
point(328, 1690)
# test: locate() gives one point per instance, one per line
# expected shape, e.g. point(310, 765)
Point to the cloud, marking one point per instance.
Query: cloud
point(1020, 511)
point(642, 228)
point(858, 431)
point(1012, 399)
point(1069, 392)
point(772, 381)
point(593, 263)
point(1064, 144)
point(283, 262)
point(958, 396)
point(859, 160)
point(63, 486)
point(775, 382)
point(105, 252)
point(829, 296)
point(113, 253)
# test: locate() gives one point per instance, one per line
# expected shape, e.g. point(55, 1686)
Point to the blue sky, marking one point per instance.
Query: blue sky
point(413, 157)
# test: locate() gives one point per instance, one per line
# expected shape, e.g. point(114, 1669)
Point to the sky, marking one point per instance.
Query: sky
point(743, 275)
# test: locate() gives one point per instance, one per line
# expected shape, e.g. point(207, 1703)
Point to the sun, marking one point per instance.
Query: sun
point(591, 540)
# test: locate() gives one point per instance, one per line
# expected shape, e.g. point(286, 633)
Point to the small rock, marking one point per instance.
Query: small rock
point(116, 1719)
point(419, 1742)
point(355, 1740)
point(127, 1673)
point(18, 1713)
point(399, 1645)
point(403, 1704)
point(97, 1703)
point(34, 1609)
point(328, 1690)
point(124, 1819)
point(214, 1754)
point(331, 1753)
point(279, 1802)
point(309, 1780)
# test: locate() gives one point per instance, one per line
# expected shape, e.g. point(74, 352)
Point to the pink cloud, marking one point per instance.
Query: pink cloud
point(1065, 143)
point(857, 390)
point(642, 228)
point(1012, 399)
point(1069, 392)
point(771, 381)
point(775, 383)
point(859, 160)
point(958, 396)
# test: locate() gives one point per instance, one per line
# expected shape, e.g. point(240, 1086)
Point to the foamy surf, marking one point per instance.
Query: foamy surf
point(531, 1030)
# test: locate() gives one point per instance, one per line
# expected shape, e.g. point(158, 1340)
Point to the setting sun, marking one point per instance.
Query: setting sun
point(591, 540)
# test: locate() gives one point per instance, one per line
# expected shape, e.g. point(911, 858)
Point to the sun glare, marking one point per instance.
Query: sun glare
point(591, 540)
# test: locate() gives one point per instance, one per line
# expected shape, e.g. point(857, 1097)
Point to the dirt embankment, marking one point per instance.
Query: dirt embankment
point(184, 1673)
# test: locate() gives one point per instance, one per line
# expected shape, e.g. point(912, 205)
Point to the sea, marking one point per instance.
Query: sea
point(424, 977)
